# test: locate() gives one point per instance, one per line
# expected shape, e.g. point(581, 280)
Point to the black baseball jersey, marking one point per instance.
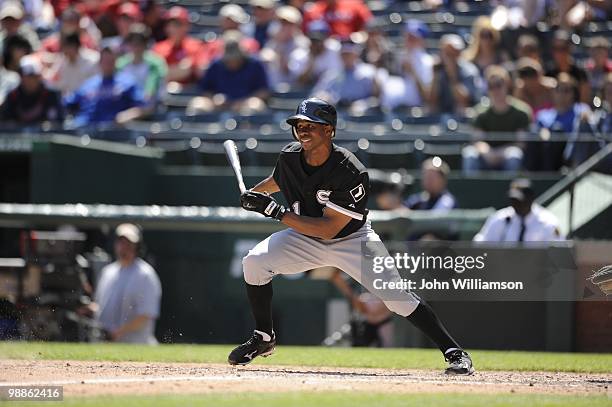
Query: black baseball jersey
point(341, 184)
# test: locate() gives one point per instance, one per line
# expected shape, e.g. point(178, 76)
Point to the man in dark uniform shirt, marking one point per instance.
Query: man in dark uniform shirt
point(435, 196)
point(327, 188)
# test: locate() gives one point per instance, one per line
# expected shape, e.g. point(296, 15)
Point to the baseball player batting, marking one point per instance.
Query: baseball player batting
point(327, 188)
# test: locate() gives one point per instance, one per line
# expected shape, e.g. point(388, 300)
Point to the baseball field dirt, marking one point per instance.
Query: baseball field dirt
point(89, 378)
point(108, 375)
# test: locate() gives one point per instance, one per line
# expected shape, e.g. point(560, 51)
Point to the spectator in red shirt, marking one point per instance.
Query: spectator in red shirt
point(185, 56)
point(343, 16)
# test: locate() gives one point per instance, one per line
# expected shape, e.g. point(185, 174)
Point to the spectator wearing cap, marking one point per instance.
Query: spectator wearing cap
point(456, 84)
point(485, 49)
point(147, 68)
point(563, 61)
point(323, 55)
point(12, 24)
point(343, 16)
point(127, 15)
point(9, 80)
point(128, 293)
point(32, 102)
point(563, 119)
point(106, 98)
point(264, 21)
point(415, 69)
point(153, 17)
point(285, 41)
point(528, 46)
point(232, 17)
point(599, 65)
point(435, 195)
point(185, 56)
point(72, 22)
point(237, 81)
point(532, 87)
point(501, 114)
point(73, 66)
point(356, 86)
point(522, 221)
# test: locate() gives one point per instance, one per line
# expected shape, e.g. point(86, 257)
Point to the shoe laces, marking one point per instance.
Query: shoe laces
point(456, 357)
point(253, 339)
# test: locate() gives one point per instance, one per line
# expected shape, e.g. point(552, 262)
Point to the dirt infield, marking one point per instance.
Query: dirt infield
point(85, 378)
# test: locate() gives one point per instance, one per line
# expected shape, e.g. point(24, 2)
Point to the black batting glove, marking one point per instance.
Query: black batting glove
point(262, 203)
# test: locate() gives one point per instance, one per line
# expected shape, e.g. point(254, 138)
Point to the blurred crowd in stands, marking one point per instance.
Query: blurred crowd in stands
point(518, 67)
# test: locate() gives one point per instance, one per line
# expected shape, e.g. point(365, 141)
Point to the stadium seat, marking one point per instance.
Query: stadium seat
point(213, 153)
point(211, 117)
point(264, 154)
point(390, 155)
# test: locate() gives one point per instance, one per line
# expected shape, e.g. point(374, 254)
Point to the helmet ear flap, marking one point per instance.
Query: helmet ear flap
point(294, 132)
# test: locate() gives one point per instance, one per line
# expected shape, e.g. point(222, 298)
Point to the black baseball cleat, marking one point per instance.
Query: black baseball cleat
point(459, 363)
point(255, 346)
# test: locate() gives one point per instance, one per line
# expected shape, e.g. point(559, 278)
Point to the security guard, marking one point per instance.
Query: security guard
point(522, 221)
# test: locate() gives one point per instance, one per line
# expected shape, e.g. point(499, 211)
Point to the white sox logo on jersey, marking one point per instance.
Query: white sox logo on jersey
point(323, 196)
point(358, 193)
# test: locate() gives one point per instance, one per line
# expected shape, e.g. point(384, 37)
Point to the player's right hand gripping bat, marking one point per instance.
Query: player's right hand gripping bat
point(232, 156)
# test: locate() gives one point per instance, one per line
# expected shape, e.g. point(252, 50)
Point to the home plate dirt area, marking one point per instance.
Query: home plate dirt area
point(88, 378)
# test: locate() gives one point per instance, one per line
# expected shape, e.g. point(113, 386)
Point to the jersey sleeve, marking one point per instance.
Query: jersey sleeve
point(352, 199)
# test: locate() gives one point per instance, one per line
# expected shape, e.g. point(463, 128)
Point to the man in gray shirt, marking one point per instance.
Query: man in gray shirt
point(128, 293)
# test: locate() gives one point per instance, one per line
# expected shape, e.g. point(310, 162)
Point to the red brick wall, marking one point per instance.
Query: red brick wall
point(594, 326)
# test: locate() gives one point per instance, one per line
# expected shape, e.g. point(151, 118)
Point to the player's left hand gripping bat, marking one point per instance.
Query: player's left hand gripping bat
point(232, 156)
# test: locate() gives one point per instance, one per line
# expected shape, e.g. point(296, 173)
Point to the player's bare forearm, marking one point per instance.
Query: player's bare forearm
point(268, 186)
point(133, 325)
point(325, 227)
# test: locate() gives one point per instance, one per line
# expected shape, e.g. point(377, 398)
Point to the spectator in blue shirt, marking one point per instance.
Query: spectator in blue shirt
point(355, 86)
point(106, 98)
point(237, 81)
point(563, 119)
